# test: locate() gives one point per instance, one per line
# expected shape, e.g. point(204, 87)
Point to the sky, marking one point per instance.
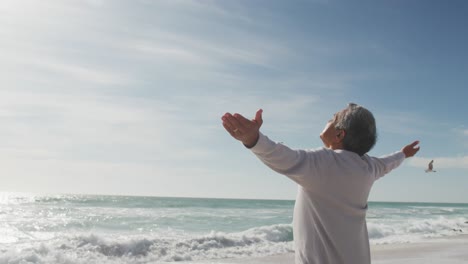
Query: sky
point(126, 97)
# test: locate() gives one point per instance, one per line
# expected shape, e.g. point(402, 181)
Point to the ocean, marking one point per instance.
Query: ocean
point(129, 229)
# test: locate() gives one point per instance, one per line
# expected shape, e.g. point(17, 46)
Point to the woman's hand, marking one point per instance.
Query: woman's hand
point(410, 150)
point(242, 129)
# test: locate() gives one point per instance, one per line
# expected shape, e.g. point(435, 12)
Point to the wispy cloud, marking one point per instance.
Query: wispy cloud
point(404, 123)
point(170, 53)
point(206, 51)
point(76, 72)
point(58, 123)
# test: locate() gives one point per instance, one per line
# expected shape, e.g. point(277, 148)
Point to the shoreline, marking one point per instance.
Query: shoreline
point(447, 250)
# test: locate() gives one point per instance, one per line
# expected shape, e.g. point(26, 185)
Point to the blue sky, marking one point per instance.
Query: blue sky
point(125, 97)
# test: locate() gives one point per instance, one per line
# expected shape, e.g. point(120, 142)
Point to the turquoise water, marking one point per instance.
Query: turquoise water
point(124, 229)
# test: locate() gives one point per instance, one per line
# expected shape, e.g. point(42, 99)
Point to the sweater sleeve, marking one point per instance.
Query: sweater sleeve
point(298, 165)
point(385, 164)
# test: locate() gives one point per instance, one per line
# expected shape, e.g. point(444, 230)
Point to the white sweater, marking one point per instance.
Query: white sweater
point(329, 224)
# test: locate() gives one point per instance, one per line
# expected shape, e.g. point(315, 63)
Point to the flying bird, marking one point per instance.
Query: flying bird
point(429, 167)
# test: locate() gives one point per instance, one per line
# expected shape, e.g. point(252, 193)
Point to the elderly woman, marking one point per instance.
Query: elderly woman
point(329, 223)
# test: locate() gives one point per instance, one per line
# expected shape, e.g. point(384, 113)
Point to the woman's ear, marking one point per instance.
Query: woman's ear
point(341, 134)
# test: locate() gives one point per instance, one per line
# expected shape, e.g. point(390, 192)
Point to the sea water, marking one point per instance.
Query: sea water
point(128, 229)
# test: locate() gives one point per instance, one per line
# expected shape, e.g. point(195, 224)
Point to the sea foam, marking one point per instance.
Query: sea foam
point(262, 241)
point(413, 230)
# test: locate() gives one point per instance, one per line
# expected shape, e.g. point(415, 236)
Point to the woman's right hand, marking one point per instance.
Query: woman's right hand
point(242, 129)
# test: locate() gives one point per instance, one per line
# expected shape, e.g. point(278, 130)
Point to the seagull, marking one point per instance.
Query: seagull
point(429, 167)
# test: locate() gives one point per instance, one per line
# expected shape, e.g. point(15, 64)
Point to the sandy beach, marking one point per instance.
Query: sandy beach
point(452, 250)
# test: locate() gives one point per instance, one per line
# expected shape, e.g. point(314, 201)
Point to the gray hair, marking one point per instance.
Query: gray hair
point(360, 128)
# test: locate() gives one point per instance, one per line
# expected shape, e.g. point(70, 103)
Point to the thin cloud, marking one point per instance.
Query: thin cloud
point(195, 48)
point(83, 73)
point(205, 8)
point(35, 122)
point(170, 53)
point(111, 129)
point(403, 123)
point(65, 73)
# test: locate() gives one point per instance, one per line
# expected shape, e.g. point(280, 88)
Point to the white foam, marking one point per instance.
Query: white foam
point(412, 230)
point(262, 241)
